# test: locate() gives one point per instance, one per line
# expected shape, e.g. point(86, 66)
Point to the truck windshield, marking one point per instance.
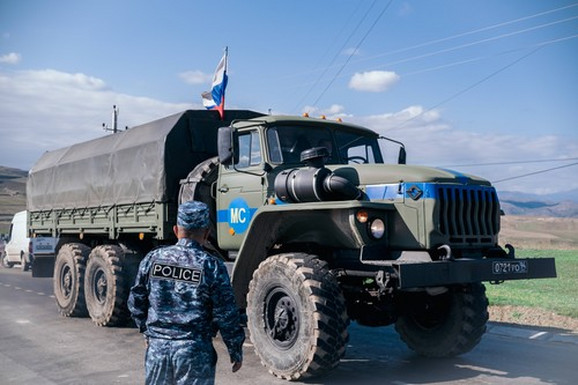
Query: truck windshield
point(285, 144)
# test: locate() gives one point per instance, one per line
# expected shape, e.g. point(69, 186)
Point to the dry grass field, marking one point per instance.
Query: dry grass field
point(532, 235)
point(540, 233)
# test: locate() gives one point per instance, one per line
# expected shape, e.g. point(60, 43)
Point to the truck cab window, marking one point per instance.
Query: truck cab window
point(360, 154)
point(355, 148)
point(275, 155)
point(286, 143)
point(249, 149)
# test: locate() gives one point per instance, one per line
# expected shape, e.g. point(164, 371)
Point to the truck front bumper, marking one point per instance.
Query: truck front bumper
point(462, 271)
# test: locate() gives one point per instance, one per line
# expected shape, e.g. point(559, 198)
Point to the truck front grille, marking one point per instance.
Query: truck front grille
point(468, 214)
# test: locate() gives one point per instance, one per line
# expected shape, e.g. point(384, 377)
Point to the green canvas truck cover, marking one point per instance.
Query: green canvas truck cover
point(142, 164)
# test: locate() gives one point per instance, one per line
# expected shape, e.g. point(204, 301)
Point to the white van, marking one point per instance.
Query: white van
point(17, 249)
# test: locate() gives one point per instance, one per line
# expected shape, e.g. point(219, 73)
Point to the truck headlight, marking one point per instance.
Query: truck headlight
point(377, 228)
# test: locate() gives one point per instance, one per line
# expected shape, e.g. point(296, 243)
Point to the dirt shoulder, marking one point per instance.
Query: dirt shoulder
point(527, 316)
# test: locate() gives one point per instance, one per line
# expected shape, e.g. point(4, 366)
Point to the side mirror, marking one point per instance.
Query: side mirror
point(225, 145)
point(401, 159)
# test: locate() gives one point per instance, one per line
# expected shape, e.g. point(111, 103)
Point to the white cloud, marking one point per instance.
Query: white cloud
point(431, 141)
point(48, 109)
point(196, 77)
point(405, 9)
point(352, 51)
point(11, 58)
point(373, 81)
point(412, 116)
point(332, 112)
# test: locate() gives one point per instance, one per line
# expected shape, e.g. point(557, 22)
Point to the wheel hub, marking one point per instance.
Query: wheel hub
point(100, 287)
point(66, 282)
point(281, 318)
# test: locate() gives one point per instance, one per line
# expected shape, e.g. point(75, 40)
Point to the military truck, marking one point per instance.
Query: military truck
point(319, 231)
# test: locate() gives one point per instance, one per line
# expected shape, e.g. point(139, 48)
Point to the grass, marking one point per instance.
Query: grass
point(559, 295)
point(9, 205)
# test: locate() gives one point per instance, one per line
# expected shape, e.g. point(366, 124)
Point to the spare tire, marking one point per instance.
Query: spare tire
point(198, 187)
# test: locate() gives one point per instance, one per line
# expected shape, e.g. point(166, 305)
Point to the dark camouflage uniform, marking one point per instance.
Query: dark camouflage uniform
point(181, 297)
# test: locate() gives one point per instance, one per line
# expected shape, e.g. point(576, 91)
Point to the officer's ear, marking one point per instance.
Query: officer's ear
point(176, 230)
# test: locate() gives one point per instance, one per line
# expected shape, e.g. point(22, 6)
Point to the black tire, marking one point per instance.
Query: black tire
point(106, 287)
point(24, 264)
point(444, 325)
point(68, 279)
point(198, 186)
point(5, 263)
point(296, 316)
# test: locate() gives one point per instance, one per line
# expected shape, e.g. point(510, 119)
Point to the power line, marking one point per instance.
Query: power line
point(466, 61)
point(452, 37)
point(353, 52)
point(314, 85)
point(463, 91)
point(467, 45)
point(535, 172)
point(494, 26)
point(511, 162)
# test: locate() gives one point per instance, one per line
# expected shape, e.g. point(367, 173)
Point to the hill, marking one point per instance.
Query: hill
point(561, 205)
point(12, 195)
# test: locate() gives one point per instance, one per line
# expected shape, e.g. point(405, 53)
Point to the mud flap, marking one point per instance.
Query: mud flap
point(43, 266)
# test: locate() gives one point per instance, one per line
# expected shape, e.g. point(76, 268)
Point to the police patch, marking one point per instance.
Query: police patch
point(177, 273)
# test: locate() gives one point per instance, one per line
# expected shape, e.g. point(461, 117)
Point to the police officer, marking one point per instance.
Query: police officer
point(180, 298)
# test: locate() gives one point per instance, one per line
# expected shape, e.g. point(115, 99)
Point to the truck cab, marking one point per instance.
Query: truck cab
point(261, 164)
point(267, 146)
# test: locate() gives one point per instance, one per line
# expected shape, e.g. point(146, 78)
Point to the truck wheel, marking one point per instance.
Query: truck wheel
point(296, 316)
point(68, 279)
point(444, 325)
point(24, 265)
point(105, 287)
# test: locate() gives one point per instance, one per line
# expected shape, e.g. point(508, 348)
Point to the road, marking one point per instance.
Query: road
point(37, 346)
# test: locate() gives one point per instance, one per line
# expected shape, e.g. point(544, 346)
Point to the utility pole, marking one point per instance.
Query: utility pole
point(114, 127)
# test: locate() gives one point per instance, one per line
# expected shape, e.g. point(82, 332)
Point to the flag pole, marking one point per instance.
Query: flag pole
point(215, 98)
point(222, 110)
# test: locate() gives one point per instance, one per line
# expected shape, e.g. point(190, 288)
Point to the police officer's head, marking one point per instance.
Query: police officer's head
point(192, 219)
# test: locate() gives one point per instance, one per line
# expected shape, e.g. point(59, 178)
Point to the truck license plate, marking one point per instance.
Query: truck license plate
point(509, 267)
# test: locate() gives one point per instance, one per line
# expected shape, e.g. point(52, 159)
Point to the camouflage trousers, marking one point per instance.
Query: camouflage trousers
point(182, 362)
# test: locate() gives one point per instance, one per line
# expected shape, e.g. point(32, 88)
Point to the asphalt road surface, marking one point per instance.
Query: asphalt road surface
point(38, 346)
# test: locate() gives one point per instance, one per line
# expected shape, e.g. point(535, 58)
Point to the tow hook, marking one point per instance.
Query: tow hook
point(383, 280)
point(447, 256)
point(511, 251)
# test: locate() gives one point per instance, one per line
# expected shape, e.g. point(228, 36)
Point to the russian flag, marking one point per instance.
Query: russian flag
point(215, 98)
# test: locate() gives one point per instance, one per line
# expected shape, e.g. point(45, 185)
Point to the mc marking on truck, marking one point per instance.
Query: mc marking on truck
point(240, 215)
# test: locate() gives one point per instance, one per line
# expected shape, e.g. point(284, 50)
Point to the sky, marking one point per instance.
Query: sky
point(484, 87)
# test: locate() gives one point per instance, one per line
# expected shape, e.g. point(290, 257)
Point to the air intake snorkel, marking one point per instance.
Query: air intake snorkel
point(315, 183)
